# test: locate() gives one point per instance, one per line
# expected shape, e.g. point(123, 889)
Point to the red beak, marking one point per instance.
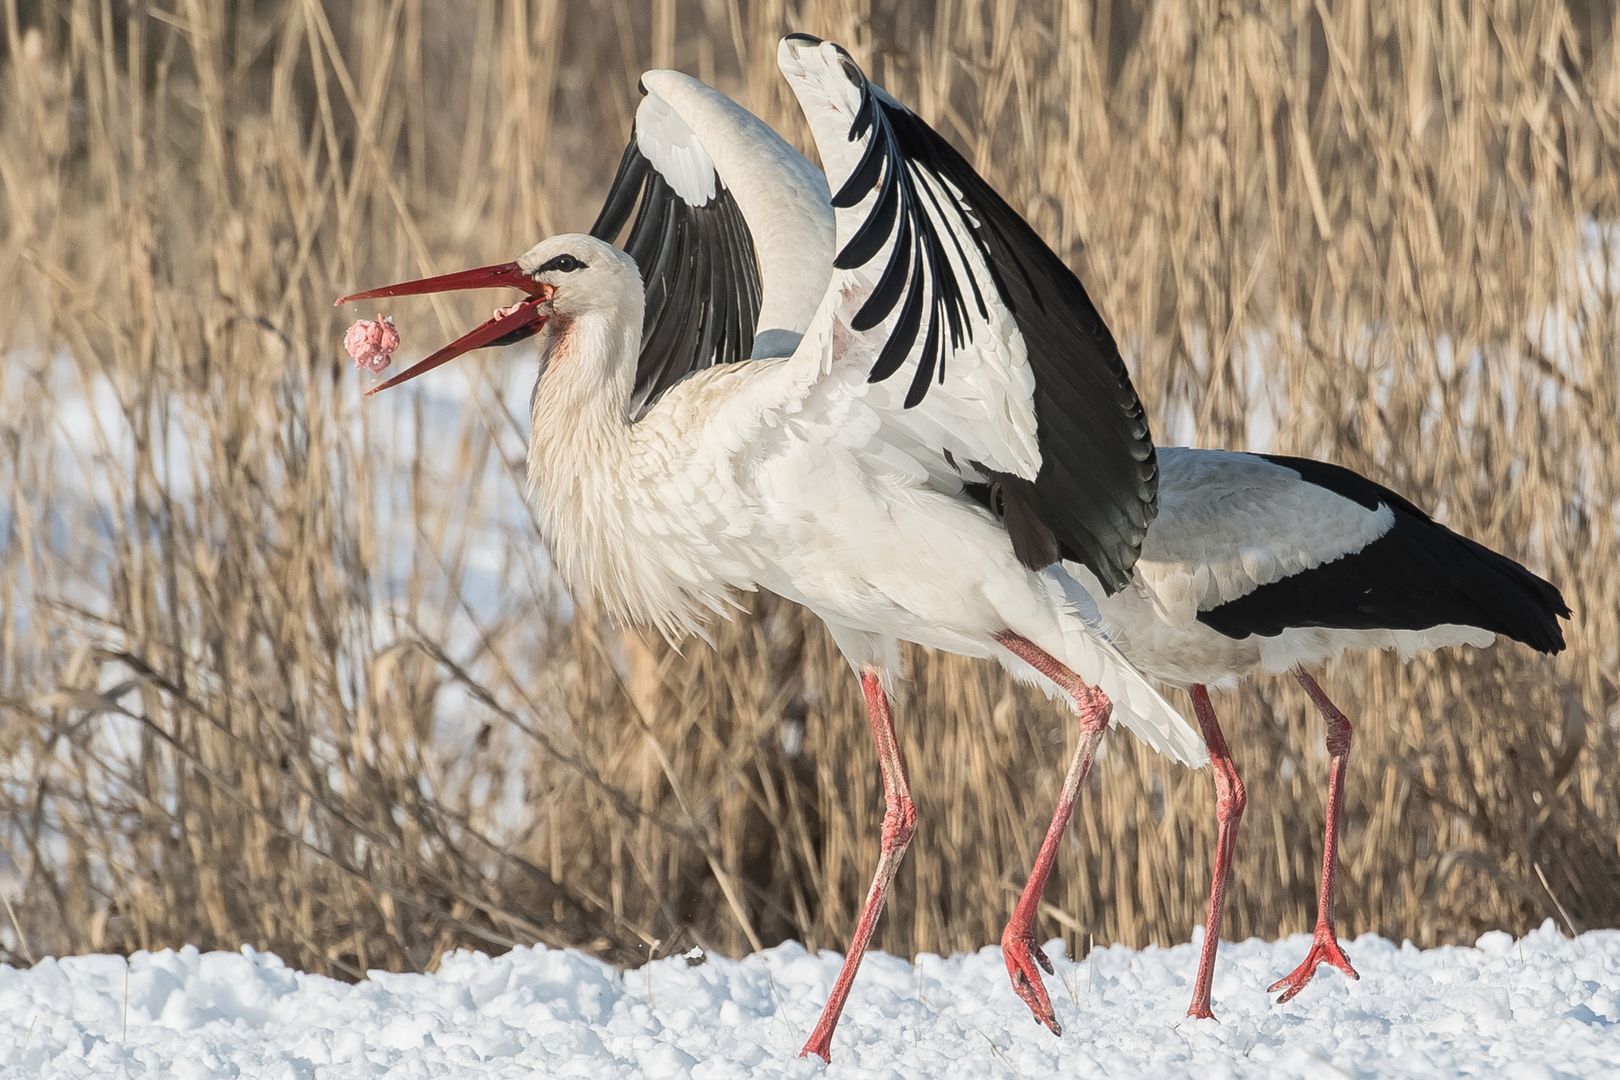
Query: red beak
point(503, 330)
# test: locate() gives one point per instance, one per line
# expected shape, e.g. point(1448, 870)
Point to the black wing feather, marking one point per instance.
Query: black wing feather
point(698, 267)
point(896, 349)
point(890, 286)
point(1417, 576)
point(1097, 488)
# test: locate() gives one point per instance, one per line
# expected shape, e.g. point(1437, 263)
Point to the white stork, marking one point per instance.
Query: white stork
point(1264, 563)
point(925, 427)
point(1254, 564)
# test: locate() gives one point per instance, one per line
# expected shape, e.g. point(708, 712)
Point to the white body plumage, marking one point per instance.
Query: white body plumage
point(757, 476)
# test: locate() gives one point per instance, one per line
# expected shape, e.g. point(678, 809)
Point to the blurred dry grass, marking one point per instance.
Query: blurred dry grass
point(253, 690)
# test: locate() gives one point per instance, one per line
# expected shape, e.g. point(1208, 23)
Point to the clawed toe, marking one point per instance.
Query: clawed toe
point(1325, 949)
point(1018, 949)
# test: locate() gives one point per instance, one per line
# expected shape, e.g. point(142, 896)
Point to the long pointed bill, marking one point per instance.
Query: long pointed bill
point(520, 321)
point(501, 275)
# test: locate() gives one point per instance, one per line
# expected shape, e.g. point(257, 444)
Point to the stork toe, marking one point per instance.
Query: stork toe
point(1018, 949)
point(1325, 949)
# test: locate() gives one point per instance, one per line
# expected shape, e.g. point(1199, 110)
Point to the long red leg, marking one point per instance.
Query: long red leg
point(1018, 939)
point(899, 823)
point(1325, 947)
point(1230, 799)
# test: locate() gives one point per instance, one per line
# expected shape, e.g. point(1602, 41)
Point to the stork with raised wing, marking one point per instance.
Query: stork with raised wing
point(1255, 563)
point(909, 460)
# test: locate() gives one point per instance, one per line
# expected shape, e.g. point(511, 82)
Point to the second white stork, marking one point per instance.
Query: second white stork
point(1260, 563)
point(948, 347)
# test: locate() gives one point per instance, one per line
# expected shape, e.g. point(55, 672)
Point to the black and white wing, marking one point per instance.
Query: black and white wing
point(985, 345)
point(1264, 545)
point(729, 225)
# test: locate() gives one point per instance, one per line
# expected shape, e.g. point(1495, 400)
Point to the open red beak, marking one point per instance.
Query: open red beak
point(525, 320)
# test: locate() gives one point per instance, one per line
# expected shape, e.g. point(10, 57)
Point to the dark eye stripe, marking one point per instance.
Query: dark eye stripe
point(563, 264)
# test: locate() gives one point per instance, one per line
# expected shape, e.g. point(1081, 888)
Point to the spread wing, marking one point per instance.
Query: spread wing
point(973, 337)
point(730, 227)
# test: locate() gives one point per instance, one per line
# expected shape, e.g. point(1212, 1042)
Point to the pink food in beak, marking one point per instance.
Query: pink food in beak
point(509, 324)
point(371, 343)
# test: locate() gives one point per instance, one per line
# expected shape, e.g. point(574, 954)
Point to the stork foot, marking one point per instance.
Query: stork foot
point(820, 1045)
point(1018, 949)
point(1325, 949)
point(1200, 1010)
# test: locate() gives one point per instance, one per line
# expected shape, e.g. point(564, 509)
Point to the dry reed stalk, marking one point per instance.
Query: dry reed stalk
point(255, 690)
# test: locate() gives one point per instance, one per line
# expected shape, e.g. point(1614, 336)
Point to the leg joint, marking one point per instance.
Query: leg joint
point(1231, 800)
point(1094, 708)
point(899, 825)
point(1338, 725)
point(1339, 735)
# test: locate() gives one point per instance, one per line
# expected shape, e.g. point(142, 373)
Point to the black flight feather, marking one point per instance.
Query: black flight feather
point(1097, 488)
point(1416, 576)
point(698, 267)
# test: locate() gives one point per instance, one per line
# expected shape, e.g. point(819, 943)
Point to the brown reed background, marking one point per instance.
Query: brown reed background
point(237, 706)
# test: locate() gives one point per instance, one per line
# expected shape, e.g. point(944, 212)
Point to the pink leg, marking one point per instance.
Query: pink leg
point(899, 823)
point(1326, 946)
point(1230, 800)
point(1018, 939)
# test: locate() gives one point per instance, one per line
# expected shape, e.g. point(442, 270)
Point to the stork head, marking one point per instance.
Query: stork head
point(585, 275)
point(563, 278)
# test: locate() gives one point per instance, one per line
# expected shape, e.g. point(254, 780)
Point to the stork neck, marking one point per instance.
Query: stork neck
point(588, 368)
point(579, 417)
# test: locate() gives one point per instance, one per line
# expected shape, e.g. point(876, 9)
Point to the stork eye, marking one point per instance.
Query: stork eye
point(562, 264)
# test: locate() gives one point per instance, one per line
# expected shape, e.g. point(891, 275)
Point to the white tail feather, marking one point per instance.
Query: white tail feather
point(1086, 651)
point(1140, 707)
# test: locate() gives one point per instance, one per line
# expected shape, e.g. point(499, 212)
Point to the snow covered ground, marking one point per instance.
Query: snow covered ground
point(1543, 1006)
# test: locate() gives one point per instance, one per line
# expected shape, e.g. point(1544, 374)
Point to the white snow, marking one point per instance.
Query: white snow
point(1543, 1006)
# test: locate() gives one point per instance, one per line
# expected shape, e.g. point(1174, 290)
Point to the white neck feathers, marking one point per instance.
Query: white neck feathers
point(608, 493)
